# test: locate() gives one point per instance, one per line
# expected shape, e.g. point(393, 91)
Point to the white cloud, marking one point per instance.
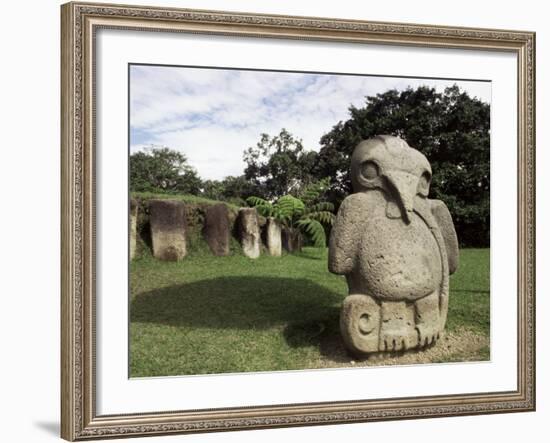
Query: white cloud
point(214, 115)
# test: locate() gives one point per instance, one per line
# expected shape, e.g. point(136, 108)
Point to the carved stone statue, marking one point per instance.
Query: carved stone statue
point(396, 248)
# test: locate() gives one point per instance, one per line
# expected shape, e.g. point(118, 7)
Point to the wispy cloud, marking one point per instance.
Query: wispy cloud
point(213, 115)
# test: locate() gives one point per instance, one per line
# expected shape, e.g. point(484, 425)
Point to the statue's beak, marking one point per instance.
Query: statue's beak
point(405, 188)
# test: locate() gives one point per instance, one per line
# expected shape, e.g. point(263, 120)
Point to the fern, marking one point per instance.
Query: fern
point(322, 216)
point(324, 206)
point(315, 230)
point(313, 191)
point(257, 201)
point(301, 213)
point(263, 207)
point(290, 208)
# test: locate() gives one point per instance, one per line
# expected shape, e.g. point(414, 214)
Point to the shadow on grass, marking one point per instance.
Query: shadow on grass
point(235, 302)
point(307, 312)
point(302, 312)
point(322, 333)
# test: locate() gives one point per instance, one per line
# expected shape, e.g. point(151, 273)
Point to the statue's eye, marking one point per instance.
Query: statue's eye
point(369, 170)
point(424, 183)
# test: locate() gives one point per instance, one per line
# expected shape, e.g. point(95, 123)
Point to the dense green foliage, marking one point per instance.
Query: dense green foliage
point(160, 169)
point(451, 129)
point(232, 314)
point(231, 189)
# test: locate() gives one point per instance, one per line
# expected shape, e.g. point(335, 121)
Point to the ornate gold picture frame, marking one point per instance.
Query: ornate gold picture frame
point(80, 22)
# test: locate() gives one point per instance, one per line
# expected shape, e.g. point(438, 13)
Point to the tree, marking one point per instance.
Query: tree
point(238, 187)
point(306, 214)
point(232, 189)
point(213, 189)
point(279, 165)
point(451, 129)
point(160, 169)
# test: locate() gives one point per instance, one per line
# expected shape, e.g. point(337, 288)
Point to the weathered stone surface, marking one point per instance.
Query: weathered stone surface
point(273, 237)
point(396, 248)
point(217, 229)
point(445, 222)
point(291, 239)
point(397, 331)
point(360, 323)
point(168, 227)
point(133, 228)
point(249, 232)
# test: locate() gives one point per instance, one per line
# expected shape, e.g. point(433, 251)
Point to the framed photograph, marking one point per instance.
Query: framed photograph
point(277, 221)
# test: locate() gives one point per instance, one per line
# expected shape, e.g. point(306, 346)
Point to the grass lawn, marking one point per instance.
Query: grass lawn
point(187, 198)
point(210, 314)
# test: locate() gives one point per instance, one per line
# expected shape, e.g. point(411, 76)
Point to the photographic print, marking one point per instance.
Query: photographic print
point(299, 220)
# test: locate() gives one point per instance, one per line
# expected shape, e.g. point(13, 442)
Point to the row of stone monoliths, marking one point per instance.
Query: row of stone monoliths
point(169, 226)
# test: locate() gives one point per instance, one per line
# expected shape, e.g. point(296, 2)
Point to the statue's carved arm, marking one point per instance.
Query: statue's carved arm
point(344, 240)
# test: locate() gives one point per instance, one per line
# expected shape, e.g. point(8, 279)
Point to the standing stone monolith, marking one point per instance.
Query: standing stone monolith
point(216, 229)
point(273, 237)
point(133, 228)
point(291, 239)
point(249, 232)
point(168, 227)
point(396, 248)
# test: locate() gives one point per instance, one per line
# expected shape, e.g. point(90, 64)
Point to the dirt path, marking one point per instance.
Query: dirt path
point(457, 346)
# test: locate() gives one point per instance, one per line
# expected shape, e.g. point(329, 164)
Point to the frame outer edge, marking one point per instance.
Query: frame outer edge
point(532, 145)
point(68, 425)
point(526, 223)
point(78, 420)
point(534, 167)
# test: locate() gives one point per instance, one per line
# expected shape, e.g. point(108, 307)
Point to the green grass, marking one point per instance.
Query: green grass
point(211, 314)
point(187, 198)
point(469, 300)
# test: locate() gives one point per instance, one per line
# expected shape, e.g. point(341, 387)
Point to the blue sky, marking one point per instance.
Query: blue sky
point(213, 115)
